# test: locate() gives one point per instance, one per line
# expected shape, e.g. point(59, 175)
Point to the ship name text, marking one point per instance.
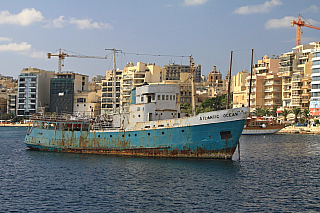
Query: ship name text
point(209, 117)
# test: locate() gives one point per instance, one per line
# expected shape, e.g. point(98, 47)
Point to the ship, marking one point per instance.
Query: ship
point(153, 126)
point(261, 126)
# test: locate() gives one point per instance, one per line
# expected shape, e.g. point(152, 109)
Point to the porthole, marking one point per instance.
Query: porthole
point(163, 133)
point(148, 133)
point(110, 136)
point(183, 130)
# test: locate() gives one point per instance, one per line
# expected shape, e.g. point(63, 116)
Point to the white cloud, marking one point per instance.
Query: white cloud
point(23, 49)
point(26, 17)
point(57, 23)
point(34, 54)
point(260, 8)
point(285, 22)
point(312, 8)
point(14, 47)
point(30, 15)
point(5, 39)
point(88, 24)
point(194, 2)
point(279, 23)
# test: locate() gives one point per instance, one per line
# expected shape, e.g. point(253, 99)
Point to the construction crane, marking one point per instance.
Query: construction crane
point(300, 24)
point(63, 55)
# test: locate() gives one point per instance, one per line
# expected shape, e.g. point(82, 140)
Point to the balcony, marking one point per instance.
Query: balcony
point(285, 73)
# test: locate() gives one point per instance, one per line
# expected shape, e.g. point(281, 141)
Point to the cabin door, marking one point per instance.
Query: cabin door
point(150, 116)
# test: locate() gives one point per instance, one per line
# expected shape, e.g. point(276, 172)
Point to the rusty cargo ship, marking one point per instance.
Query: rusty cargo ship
point(152, 127)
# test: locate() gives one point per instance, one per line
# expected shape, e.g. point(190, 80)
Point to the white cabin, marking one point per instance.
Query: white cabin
point(154, 102)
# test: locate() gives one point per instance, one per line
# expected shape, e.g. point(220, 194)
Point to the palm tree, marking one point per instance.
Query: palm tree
point(305, 113)
point(285, 114)
point(259, 111)
point(296, 112)
point(273, 112)
point(266, 112)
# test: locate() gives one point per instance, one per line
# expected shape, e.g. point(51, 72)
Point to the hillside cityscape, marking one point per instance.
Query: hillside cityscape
point(286, 82)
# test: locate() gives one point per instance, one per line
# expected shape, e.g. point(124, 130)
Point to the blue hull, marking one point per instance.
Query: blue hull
point(215, 140)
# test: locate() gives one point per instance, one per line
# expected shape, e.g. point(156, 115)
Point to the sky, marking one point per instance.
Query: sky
point(149, 31)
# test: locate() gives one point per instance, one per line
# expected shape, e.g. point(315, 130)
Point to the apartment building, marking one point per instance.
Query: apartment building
point(266, 85)
point(63, 88)
point(12, 103)
point(315, 91)
point(107, 98)
point(239, 89)
point(295, 70)
point(133, 76)
point(86, 104)
point(33, 91)
point(174, 71)
point(266, 65)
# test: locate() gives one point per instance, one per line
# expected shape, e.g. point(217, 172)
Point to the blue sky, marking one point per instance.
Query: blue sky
point(207, 29)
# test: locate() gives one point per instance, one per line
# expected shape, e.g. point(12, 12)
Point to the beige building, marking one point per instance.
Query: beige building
point(266, 85)
point(266, 65)
point(295, 70)
point(133, 76)
point(177, 71)
point(239, 89)
point(107, 98)
point(217, 86)
point(86, 104)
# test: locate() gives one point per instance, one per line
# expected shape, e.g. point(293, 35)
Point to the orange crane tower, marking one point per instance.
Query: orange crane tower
point(300, 24)
point(63, 55)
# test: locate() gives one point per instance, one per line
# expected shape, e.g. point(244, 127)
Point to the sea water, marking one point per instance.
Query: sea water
point(275, 173)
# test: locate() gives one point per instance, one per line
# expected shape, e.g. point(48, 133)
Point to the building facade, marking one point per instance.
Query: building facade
point(133, 76)
point(107, 92)
point(315, 91)
point(174, 71)
point(295, 70)
point(62, 90)
point(239, 89)
point(266, 85)
point(33, 91)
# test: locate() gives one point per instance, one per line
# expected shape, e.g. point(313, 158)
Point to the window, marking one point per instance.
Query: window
point(163, 97)
point(142, 99)
point(170, 97)
point(159, 97)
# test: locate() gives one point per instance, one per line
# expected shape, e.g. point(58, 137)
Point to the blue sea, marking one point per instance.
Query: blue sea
point(276, 173)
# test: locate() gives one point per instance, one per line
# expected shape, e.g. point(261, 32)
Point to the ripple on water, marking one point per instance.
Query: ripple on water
point(276, 173)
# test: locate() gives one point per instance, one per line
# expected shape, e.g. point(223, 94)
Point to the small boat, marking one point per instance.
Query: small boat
point(260, 126)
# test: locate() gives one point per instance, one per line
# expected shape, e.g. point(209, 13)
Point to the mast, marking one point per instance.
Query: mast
point(114, 79)
point(192, 87)
point(250, 78)
point(229, 81)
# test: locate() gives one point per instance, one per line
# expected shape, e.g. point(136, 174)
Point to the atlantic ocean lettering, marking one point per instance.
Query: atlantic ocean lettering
point(209, 117)
point(230, 114)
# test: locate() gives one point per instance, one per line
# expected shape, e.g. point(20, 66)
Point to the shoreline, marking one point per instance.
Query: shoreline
point(300, 130)
point(286, 130)
point(15, 125)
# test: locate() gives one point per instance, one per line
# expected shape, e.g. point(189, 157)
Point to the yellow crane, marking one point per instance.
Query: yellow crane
point(63, 55)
